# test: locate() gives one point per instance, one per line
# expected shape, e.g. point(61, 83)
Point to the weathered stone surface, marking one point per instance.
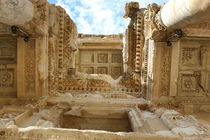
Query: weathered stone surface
point(16, 12)
point(47, 98)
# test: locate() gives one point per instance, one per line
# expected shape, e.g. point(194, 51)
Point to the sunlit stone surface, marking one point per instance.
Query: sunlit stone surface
point(152, 83)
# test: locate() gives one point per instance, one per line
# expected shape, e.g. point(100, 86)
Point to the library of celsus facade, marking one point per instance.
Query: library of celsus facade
point(151, 83)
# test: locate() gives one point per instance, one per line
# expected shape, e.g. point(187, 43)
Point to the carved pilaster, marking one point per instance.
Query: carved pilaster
point(30, 68)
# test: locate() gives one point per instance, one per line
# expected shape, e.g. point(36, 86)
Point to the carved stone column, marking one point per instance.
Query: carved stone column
point(184, 12)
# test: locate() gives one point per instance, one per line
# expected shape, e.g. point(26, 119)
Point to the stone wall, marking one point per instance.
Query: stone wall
point(62, 46)
point(43, 46)
point(174, 63)
point(100, 55)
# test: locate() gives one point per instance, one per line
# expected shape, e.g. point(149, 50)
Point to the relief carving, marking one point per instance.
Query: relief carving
point(189, 83)
point(145, 62)
point(102, 58)
point(7, 77)
point(88, 70)
point(165, 72)
point(70, 83)
point(152, 15)
point(102, 70)
point(8, 51)
point(116, 72)
point(153, 24)
point(116, 58)
point(97, 83)
point(191, 56)
point(30, 66)
point(4, 29)
point(128, 82)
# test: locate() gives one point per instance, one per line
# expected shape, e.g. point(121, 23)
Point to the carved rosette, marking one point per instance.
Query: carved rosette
point(7, 78)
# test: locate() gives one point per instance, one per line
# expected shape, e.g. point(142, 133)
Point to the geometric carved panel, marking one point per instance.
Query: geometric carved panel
point(7, 78)
point(87, 57)
point(7, 51)
point(88, 70)
point(102, 58)
point(189, 83)
point(208, 62)
point(4, 29)
point(97, 61)
point(102, 70)
point(116, 72)
point(116, 58)
point(30, 67)
point(191, 56)
point(208, 82)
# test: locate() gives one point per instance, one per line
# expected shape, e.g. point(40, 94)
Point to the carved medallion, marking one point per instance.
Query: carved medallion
point(188, 83)
point(7, 78)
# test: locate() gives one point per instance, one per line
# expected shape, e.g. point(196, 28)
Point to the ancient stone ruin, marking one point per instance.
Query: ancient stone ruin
point(151, 83)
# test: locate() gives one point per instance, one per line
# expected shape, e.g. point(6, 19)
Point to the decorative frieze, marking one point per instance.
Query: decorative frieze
point(30, 67)
point(41, 12)
point(7, 78)
point(165, 71)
